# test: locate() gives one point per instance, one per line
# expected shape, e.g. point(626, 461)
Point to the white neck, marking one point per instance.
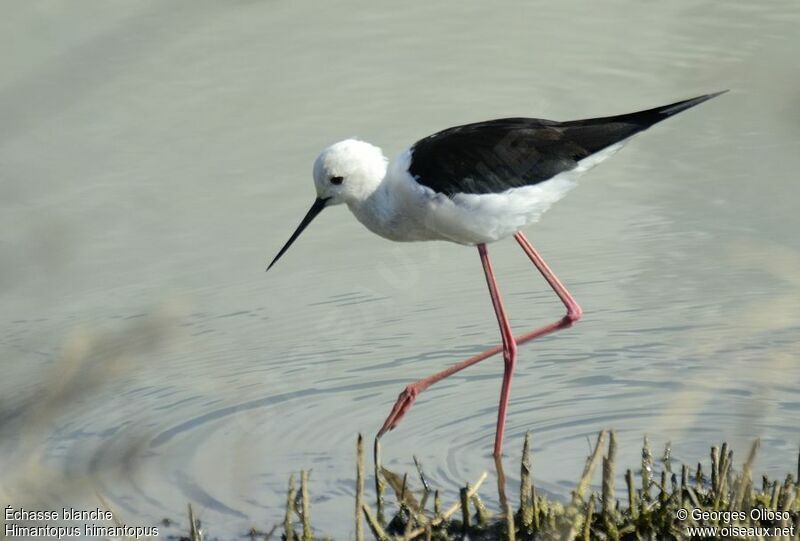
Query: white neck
point(376, 211)
point(397, 207)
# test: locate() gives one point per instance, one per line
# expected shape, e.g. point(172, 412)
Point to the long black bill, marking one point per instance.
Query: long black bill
point(315, 209)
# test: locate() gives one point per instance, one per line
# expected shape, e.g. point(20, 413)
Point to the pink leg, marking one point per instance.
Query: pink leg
point(509, 348)
point(409, 394)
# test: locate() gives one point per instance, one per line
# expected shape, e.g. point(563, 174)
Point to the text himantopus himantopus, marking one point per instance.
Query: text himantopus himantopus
point(472, 185)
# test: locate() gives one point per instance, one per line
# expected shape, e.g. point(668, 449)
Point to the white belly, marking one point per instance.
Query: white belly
point(482, 218)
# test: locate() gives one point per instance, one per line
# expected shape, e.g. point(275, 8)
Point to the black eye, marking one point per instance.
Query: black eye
point(337, 180)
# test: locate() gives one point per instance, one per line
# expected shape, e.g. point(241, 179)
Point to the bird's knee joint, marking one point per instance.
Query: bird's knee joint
point(573, 315)
point(510, 355)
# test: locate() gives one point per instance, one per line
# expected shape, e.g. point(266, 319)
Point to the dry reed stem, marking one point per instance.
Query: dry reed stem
point(698, 476)
point(526, 495)
point(399, 486)
point(480, 510)
point(747, 476)
point(572, 513)
point(360, 488)
point(608, 477)
point(379, 483)
point(510, 528)
point(377, 530)
point(587, 524)
point(773, 502)
point(588, 470)
point(422, 478)
point(631, 493)
point(450, 510)
point(194, 531)
point(465, 518)
point(725, 466)
point(714, 468)
point(723, 459)
point(288, 531)
point(647, 469)
point(306, 518)
point(684, 483)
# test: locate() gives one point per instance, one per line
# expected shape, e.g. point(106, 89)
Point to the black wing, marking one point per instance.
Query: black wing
point(493, 156)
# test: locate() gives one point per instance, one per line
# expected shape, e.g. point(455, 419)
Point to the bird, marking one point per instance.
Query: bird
point(472, 185)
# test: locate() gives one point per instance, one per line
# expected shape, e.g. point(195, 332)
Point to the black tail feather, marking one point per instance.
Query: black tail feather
point(595, 134)
point(649, 117)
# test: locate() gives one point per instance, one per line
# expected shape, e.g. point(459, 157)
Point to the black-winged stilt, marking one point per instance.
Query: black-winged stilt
point(472, 185)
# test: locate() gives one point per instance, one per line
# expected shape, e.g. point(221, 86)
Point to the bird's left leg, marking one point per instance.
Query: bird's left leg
point(509, 349)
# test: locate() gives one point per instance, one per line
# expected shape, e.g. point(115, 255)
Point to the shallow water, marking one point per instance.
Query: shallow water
point(156, 156)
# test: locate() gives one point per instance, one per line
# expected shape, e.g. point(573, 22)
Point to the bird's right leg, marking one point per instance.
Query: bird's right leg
point(409, 394)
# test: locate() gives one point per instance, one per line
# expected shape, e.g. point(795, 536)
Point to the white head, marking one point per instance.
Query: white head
point(346, 172)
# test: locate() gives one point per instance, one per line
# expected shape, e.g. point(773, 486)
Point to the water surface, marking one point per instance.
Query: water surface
point(155, 156)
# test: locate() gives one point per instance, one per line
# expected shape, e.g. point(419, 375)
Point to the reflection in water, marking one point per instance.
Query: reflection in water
point(148, 159)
